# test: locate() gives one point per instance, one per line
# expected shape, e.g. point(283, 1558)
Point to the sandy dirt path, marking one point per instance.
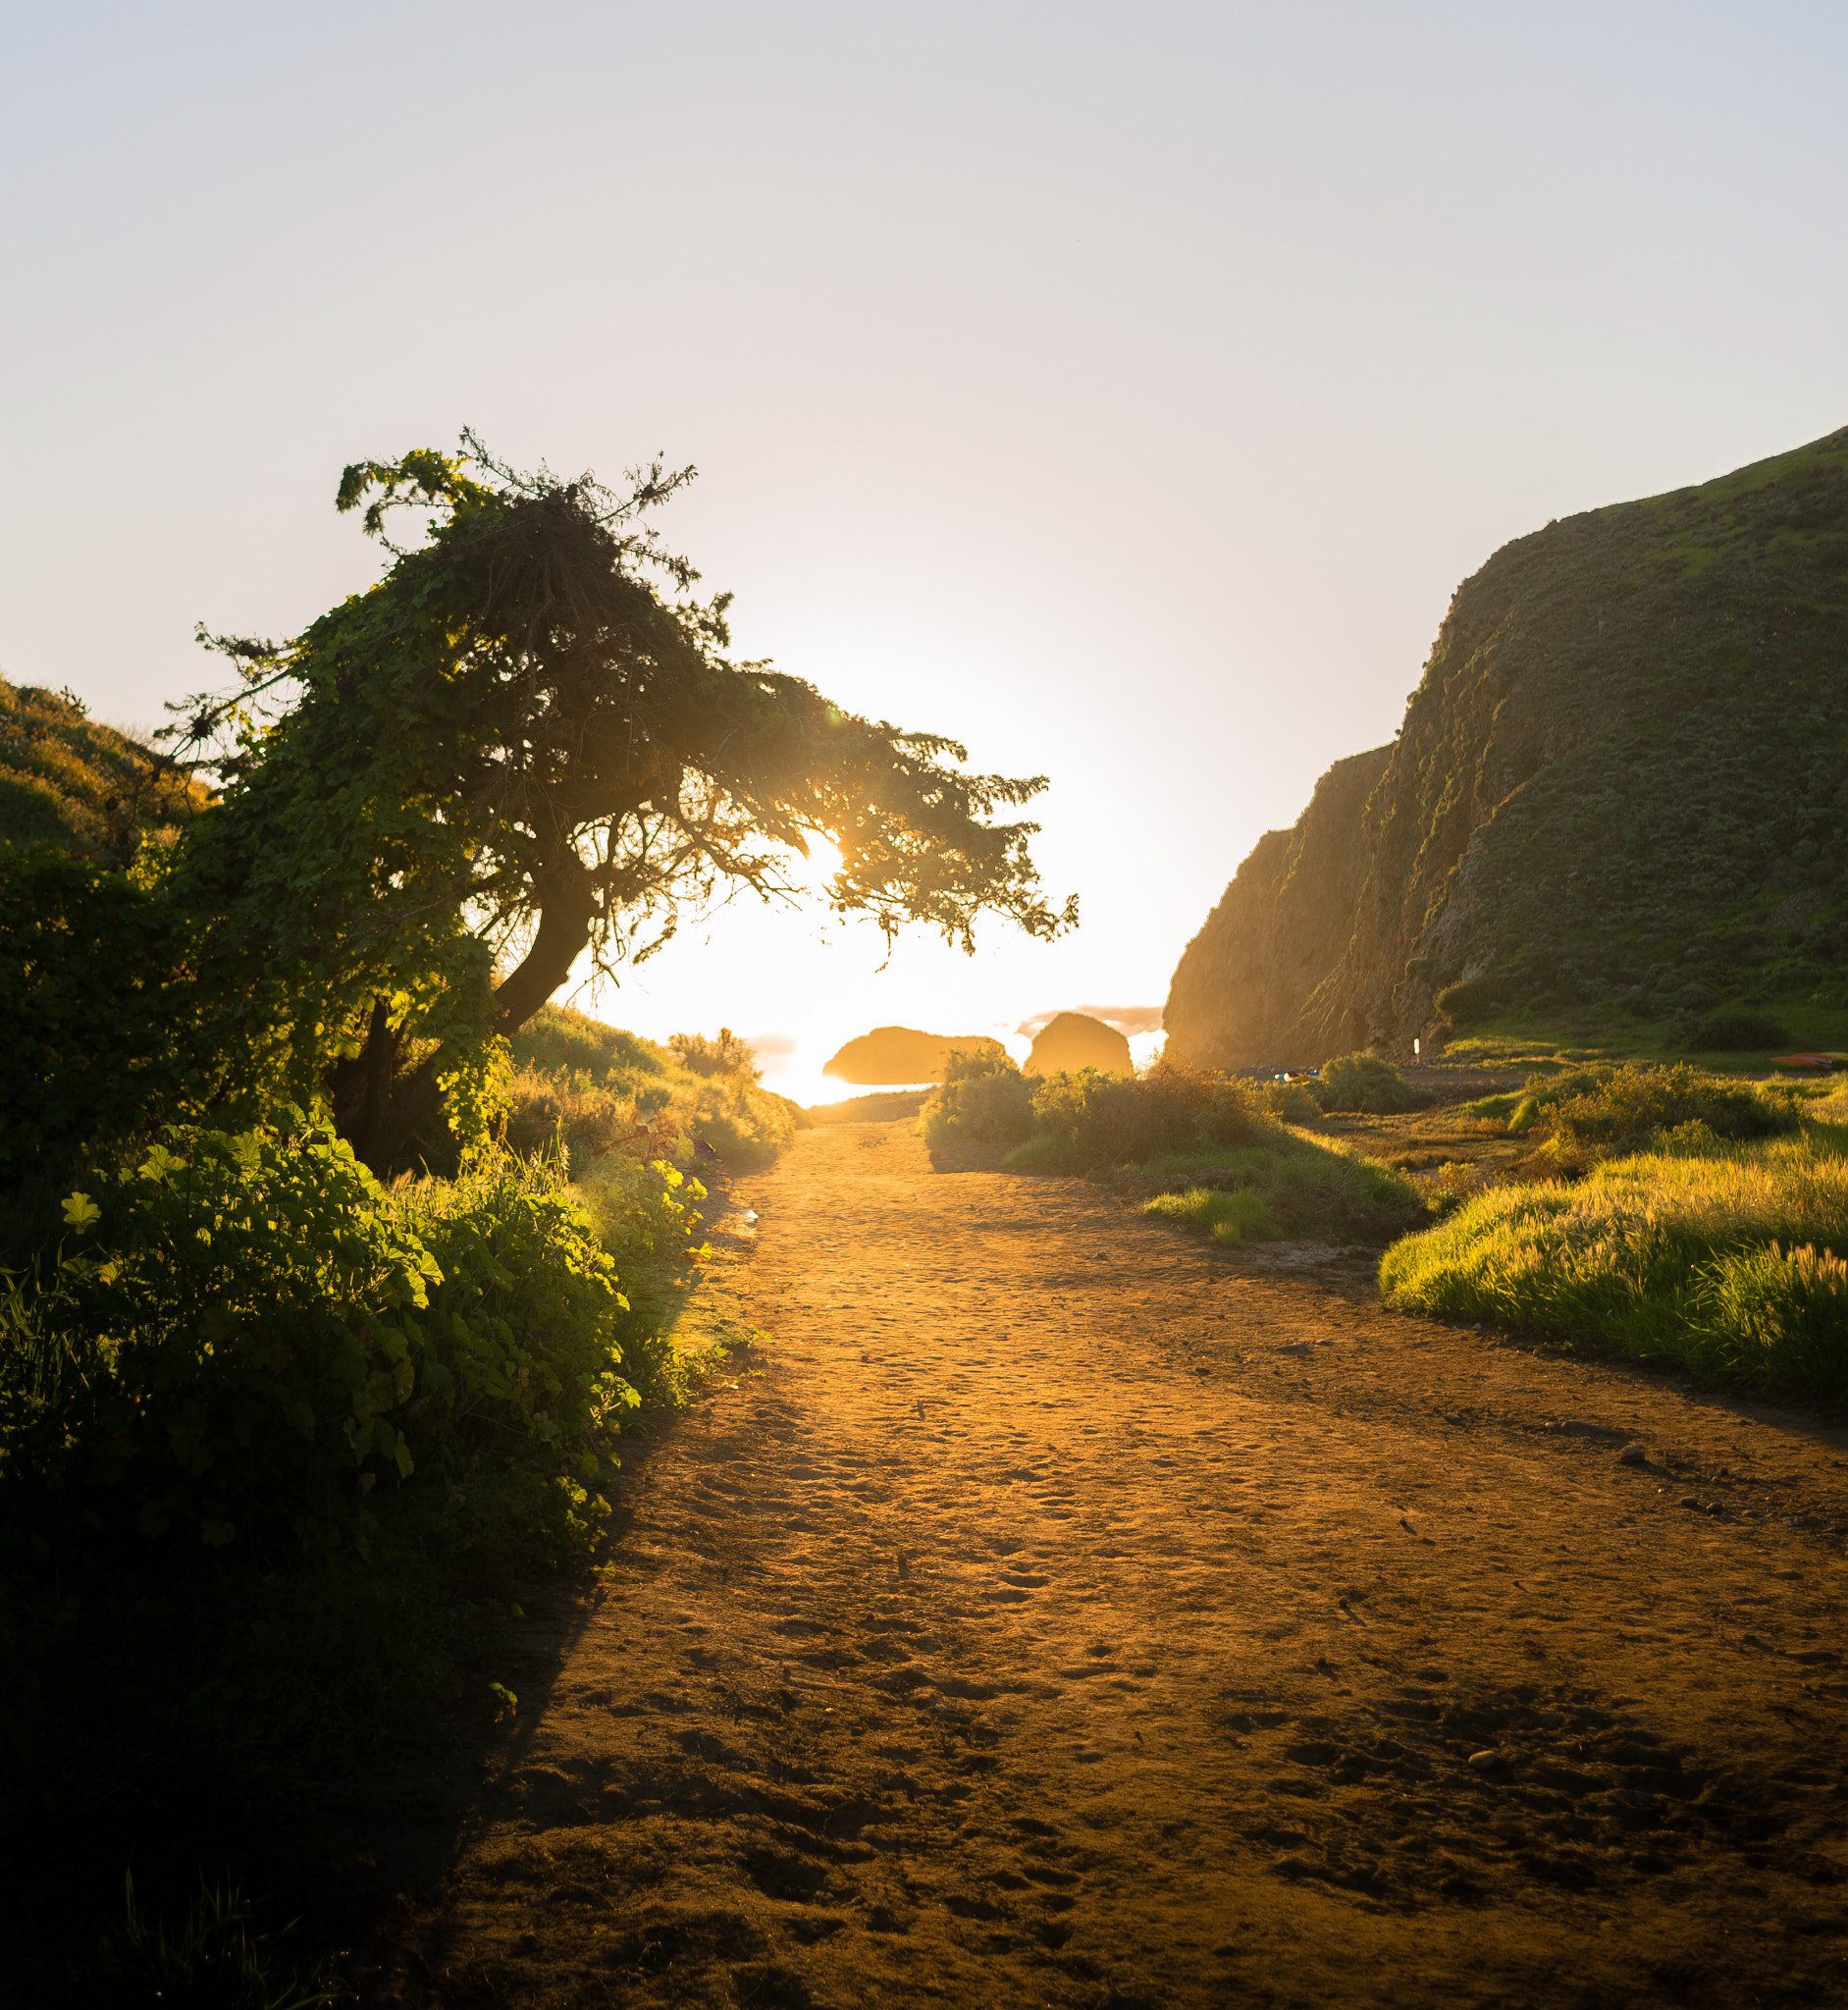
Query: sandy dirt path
point(1066, 1613)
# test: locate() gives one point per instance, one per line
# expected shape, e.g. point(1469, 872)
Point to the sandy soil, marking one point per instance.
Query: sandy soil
point(1067, 1613)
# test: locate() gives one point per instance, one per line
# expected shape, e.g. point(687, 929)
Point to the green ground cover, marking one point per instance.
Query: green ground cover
point(1715, 1255)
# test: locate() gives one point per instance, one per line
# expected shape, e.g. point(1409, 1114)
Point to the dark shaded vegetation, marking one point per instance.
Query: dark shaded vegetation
point(1736, 1030)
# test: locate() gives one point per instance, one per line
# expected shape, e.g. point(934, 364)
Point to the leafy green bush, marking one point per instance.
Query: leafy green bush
point(1290, 1101)
point(1715, 1255)
point(243, 1337)
point(983, 1099)
point(1736, 1029)
point(1112, 1120)
point(116, 1014)
point(1364, 1083)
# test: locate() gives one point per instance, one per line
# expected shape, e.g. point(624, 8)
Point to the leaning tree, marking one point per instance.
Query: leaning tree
point(528, 742)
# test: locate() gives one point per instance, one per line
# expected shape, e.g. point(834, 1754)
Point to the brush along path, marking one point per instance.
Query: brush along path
point(1068, 1615)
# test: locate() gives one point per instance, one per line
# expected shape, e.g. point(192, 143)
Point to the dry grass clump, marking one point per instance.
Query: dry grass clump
point(1720, 1257)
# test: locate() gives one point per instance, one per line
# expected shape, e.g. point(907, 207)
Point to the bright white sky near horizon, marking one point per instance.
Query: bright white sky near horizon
point(1121, 390)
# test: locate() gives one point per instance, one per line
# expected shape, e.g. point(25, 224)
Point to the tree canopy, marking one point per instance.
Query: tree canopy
point(527, 741)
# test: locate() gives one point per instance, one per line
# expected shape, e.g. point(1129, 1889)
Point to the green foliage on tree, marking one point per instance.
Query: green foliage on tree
point(528, 742)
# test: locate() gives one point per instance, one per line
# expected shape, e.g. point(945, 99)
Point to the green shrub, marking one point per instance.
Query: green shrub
point(1471, 1001)
point(116, 1014)
point(1290, 1102)
point(1610, 1108)
point(1736, 1029)
point(1309, 1187)
point(243, 1337)
point(1112, 1120)
point(983, 1099)
point(1679, 1253)
point(1365, 1083)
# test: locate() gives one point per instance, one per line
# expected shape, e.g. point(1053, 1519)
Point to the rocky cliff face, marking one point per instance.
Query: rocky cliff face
point(1254, 985)
point(1621, 782)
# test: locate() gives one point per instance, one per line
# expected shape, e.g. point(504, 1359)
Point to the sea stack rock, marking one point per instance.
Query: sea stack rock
point(1072, 1041)
point(899, 1054)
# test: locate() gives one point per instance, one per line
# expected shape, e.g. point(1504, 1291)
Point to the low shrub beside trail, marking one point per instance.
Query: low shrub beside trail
point(1307, 1187)
point(244, 1342)
point(1593, 1110)
point(1220, 1151)
point(983, 1099)
point(1366, 1085)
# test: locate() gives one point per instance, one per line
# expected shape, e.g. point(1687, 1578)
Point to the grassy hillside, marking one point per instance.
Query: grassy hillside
point(67, 780)
point(598, 1092)
point(1621, 783)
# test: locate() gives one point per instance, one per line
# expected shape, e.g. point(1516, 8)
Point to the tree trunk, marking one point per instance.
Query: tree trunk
point(382, 1126)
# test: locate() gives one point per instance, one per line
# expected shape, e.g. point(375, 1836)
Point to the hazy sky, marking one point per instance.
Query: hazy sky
point(1123, 389)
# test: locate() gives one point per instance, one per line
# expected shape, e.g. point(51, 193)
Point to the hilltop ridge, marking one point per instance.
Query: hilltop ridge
point(1621, 783)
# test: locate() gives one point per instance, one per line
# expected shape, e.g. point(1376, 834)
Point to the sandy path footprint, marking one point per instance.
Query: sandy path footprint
point(1066, 1615)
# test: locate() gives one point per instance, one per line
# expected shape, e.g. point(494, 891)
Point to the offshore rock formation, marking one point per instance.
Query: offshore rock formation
point(1072, 1041)
point(1622, 782)
point(902, 1054)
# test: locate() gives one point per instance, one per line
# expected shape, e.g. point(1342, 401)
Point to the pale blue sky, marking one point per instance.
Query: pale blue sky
point(1122, 389)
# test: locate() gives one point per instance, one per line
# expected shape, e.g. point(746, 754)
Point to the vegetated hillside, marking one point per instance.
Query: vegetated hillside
point(901, 1053)
point(70, 781)
point(1072, 1041)
point(1622, 782)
